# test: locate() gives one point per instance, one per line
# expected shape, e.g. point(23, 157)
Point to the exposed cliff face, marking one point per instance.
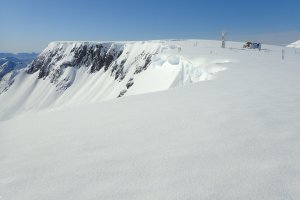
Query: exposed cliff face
point(94, 56)
point(52, 63)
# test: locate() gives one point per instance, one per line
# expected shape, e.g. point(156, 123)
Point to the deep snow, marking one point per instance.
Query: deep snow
point(233, 137)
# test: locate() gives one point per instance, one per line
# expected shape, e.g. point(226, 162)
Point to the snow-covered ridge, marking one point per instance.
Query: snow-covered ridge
point(73, 73)
point(294, 44)
point(58, 56)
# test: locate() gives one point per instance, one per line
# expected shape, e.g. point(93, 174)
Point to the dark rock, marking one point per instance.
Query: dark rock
point(95, 56)
point(122, 93)
point(145, 66)
point(117, 70)
point(129, 83)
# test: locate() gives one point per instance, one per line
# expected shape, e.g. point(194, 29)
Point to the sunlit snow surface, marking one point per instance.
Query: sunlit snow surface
point(235, 136)
point(295, 44)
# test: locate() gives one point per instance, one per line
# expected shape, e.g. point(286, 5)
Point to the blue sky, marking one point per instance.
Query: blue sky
point(29, 25)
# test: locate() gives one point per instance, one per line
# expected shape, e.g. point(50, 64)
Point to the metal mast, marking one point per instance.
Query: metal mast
point(223, 39)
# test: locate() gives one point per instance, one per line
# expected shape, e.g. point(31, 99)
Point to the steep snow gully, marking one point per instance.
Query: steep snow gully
point(74, 73)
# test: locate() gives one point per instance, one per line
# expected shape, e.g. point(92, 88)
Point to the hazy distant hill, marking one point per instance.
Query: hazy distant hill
point(22, 56)
point(10, 61)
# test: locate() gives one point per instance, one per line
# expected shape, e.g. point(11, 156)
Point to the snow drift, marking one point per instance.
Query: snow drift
point(295, 44)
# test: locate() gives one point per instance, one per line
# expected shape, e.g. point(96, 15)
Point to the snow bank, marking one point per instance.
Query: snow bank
point(295, 44)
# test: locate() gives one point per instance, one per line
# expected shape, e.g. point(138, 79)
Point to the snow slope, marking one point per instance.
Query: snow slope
point(295, 44)
point(234, 137)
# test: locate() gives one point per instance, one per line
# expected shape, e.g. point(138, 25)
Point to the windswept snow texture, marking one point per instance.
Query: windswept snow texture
point(295, 44)
point(234, 137)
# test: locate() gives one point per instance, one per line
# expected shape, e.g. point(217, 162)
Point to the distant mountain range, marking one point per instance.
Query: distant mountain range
point(21, 56)
point(10, 61)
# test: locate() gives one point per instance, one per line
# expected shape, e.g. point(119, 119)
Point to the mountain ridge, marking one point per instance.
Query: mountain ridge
point(72, 73)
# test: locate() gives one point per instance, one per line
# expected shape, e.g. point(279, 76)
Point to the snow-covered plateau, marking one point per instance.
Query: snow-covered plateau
point(169, 119)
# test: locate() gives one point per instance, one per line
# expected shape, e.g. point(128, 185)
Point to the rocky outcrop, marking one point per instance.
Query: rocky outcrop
point(53, 61)
point(113, 58)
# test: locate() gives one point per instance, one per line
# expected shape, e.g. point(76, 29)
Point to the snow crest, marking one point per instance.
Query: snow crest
point(295, 44)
